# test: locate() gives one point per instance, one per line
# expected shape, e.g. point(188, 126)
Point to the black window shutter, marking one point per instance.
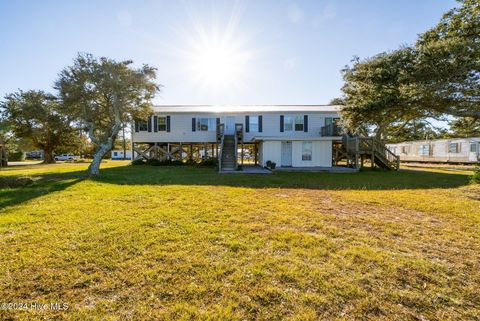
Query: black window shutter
point(168, 124)
point(305, 123)
point(281, 123)
point(136, 126)
point(260, 123)
point(247, 124)
point(218, 123)
point(194, 123)
point(155, 123)
point(149, 124)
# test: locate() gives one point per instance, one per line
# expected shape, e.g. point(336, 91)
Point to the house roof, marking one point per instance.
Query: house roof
point(244, 108)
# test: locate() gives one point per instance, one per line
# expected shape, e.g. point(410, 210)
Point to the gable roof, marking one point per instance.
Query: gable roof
point(244, 108)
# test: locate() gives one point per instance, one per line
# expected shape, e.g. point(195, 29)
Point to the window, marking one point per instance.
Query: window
point(162, 124)
point(115, 153)
point(424, 150)
point(473, 147)
point(299, 123)
point(253, 123)
point(206, 124)
point(330, 120)
point(306, 151)
point(142, 126)
point(453, 148)
point(291, 123)
point(405, 149)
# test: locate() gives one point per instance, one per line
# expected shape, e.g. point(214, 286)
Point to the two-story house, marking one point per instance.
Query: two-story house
point(289, 135)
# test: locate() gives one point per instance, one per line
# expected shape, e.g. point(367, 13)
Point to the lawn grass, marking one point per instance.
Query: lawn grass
point(187, 243)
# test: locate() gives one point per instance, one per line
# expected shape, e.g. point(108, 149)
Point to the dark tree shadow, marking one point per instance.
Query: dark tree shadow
point(42, 184)
point(185, 175)
point(363, 180)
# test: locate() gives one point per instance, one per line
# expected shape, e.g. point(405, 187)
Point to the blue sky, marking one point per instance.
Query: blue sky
point(211, 52)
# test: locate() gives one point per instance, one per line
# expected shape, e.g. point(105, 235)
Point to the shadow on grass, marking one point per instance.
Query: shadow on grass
point(148, 175)
point(42, 185)
point(364, 180)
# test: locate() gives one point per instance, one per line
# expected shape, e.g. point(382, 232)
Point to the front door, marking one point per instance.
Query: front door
point(230, 125)
point(286, 154)
point(474, 152)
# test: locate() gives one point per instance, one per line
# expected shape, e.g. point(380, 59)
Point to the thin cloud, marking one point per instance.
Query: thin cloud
point(295, 14)
point(328, 13)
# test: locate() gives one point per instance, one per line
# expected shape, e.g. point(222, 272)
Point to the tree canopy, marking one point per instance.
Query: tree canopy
point(438, 77)
point(101, 94)
point(37, 116)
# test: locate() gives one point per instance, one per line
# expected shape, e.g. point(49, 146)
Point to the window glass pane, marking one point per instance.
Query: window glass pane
point(453, 147)
point(288, 123)
point(473, 147)
point(298, 123)
point(424, 150)
point(212, 124)
point(142, 126)
point(162, 123)
point(328, 121)
point(253, 123)
point(306, 151)
point(206, 124)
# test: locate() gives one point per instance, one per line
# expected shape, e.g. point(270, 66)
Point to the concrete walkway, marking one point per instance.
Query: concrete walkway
point(24, 163)
point(249, 169)
point(334, 169)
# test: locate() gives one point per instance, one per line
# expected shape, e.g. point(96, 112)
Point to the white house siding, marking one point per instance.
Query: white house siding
point(271, 151)
point(181, 127)
point(321, 153)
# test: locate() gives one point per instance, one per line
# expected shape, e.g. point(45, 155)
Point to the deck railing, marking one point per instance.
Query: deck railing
point(331, 130)
point(371, 145)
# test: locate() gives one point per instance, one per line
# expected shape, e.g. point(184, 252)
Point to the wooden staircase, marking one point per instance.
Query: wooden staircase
point(355, 150)
point(228, 154)
point(228, 161)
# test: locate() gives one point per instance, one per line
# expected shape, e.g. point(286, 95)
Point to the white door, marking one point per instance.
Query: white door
point(230, 125)
point(474, 152)
point(286, 154)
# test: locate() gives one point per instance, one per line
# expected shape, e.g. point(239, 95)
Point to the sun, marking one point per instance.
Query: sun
point(218, 64)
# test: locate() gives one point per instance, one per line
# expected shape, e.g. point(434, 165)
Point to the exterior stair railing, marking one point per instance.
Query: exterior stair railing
point(371, 146)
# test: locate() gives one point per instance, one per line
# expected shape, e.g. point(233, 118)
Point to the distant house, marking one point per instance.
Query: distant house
point(119, 155)
point(289, 135)
point(455, 150)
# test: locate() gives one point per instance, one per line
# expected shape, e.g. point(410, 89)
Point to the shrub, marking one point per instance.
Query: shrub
point(154, 162)
point(268, 163)
point(176, 162)
point(138, 162)
point(208, 162)
point(273, 165)
point(16, 156)
point(476, 175)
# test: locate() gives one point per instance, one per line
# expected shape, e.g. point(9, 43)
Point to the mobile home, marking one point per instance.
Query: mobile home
point(455, 150)
point(120, 154)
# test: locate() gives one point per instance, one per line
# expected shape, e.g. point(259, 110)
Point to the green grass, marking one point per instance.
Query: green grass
point(187, 243)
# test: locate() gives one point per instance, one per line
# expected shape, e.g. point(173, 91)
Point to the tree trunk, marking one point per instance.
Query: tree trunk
point(94, 168)
point(48, 157)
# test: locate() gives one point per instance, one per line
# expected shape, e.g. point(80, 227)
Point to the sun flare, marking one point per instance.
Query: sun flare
point(218, 64)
